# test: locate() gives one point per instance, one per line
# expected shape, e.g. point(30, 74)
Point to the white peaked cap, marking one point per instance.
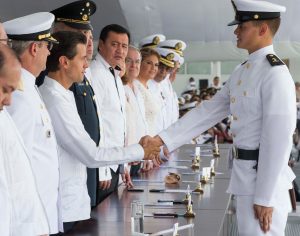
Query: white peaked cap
point(173, 44)
point(152, 41)
point(167, 56)
point(258, 6)
point(35, 26)
point(251, 10)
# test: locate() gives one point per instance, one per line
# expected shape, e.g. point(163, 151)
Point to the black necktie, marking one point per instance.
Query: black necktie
point(112, 71)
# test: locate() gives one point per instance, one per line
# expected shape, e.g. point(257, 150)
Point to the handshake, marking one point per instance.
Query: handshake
point(151, 146)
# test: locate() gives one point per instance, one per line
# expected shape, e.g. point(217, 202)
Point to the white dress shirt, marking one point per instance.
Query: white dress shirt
point(261, 99)
point(33, 121)
point(22, 212)
point(78, 151)
point(111, 97)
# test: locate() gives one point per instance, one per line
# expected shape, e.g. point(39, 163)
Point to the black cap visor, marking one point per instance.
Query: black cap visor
point(243, 16)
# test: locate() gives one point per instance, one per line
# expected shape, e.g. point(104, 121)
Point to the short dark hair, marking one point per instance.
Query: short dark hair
point(68, 41)
point(113, 28)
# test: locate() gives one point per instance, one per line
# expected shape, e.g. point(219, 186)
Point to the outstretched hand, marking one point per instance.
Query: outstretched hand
point(151, 147)
point(151, 141)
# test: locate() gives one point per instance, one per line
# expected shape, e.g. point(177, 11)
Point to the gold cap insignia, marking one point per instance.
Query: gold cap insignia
point(85, 17)
point(170, 56)
point(156, 40)
point(256, 16)
point(178, 46)
point(43, 36)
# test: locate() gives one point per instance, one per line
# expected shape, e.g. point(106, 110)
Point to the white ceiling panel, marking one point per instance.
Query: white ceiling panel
point(202, 24)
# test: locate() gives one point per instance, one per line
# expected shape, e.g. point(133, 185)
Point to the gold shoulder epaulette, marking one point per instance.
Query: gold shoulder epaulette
point(274, 60)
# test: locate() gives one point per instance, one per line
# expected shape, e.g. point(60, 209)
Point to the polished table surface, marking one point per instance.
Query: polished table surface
point(112, 216)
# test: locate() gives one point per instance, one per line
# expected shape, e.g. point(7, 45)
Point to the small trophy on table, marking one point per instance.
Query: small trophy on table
point(199, 188)
point(196, 161)
point(189, 207)
point(186, 199)
point(205, 175)
point(216, 152)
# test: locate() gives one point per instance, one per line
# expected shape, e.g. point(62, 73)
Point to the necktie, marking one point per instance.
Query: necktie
point(112, 71)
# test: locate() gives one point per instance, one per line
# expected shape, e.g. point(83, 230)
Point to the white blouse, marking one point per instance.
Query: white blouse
point(152, 108)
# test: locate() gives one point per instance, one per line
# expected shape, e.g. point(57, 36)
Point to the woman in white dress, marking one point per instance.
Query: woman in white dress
point(148, 70)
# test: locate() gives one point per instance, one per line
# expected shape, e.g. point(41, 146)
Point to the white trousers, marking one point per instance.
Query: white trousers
point(249, 226)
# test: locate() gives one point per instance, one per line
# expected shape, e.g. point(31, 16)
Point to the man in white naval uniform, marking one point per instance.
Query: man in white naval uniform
point(112, 50)
point(166, 64)
point(32, 41)
point(260, 95)
point(66, 65)
point(22, 213)
point(172, 107)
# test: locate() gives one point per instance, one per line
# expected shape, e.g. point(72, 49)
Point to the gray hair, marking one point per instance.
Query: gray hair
point(20, 46)
point(136, 49)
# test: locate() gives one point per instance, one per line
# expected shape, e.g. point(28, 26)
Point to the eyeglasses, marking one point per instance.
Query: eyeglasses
point(131, 61)
point(7, 41)
point(49, 46)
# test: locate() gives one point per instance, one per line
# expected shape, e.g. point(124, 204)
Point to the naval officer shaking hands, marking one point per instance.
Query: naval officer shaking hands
point(260, 95)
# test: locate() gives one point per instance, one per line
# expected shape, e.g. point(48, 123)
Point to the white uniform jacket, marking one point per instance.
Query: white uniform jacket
point(141, 103)
point(22, 213)
point(172, 108)
point(110, 93)
point(33, 121)
point(103, 172)
point(78, 151)
point(156, 89)
point(261, 99)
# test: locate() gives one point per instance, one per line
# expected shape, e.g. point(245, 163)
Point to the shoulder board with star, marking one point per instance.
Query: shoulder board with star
point(274, 60)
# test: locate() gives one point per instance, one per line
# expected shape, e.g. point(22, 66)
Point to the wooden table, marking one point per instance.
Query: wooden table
point(112, 216)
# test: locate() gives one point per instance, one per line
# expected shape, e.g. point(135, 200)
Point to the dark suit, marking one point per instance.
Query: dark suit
point(87, 110)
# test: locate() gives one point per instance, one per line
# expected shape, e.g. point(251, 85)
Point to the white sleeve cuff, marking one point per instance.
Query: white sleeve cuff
point(104, 173)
